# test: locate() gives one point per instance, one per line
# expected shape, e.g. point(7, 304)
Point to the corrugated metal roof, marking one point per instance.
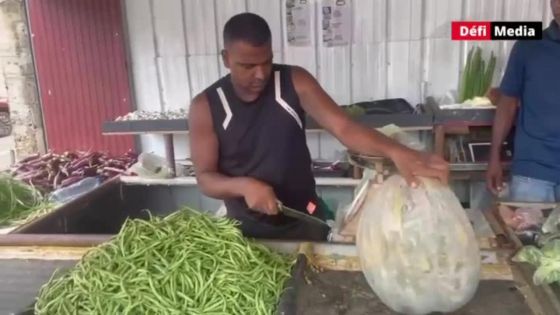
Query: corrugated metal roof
point(81, 70)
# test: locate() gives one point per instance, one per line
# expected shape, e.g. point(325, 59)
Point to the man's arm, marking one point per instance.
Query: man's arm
point(319, 105)
point(511, 89)
point(204, 154)
point(503, 121)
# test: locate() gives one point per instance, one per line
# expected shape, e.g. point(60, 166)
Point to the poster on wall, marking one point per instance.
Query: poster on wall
point(336, 22)
point(298, 22)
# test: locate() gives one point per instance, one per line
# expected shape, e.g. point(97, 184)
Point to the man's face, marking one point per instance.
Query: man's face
point(555, 5)
point(250, 66)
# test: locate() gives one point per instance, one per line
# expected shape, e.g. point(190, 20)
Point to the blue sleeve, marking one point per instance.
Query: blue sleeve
point(512, 82)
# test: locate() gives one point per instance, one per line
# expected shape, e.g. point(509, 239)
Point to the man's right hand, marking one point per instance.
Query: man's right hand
point(494, 180)
point(260, 197)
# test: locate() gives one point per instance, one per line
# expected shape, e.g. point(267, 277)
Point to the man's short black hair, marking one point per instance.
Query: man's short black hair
point(247, 27)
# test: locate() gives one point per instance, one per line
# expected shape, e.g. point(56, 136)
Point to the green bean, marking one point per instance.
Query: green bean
point(185, 263)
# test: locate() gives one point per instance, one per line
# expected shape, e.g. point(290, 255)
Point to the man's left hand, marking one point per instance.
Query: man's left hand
point(412, 163)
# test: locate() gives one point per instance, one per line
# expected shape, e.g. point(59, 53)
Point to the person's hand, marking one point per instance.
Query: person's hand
point(260, 197)
point(494, 176)
point(412, 163)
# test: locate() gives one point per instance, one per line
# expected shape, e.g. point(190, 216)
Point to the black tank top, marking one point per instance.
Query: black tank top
point(264, 139)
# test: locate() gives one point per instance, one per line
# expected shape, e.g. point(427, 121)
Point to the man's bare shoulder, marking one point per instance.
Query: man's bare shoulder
point(199, 110)
point(301, 74)
point(200, 100)
point(302, 79)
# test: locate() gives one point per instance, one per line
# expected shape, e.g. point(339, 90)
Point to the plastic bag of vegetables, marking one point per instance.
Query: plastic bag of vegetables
point(417, 248)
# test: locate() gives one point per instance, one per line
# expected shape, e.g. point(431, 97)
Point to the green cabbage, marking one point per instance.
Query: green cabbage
point(546, 260)
point(529, 254)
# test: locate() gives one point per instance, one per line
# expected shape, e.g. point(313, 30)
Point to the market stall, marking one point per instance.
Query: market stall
point(375, 114)
point(327, 277)
point(89, 227)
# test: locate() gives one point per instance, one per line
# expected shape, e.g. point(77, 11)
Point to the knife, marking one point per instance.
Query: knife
point(300, 215)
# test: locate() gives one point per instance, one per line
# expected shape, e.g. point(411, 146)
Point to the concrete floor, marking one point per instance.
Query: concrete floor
point(347, 293)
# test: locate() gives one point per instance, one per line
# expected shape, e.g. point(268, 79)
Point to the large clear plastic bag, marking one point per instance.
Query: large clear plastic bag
point(417, 248)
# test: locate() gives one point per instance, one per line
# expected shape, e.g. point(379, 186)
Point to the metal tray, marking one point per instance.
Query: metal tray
point(471, 117)
point(146, 126)
point(368, 161)
point(390, 111)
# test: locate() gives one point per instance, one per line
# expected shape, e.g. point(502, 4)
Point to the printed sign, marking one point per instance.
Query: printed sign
point(298, 22)
point(336, 22)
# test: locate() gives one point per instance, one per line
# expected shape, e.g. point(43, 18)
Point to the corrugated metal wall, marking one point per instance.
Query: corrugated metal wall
point(83, 79)
point(400, 48)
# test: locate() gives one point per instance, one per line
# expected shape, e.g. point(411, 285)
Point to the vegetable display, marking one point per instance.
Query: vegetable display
point(477, 75)
point(53, 171)
point(185, 263)
point(546, 260)
point(17, 201)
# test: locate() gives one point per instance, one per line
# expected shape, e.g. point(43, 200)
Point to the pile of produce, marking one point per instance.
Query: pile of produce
point(545, 259)
point(154, 115)
point(53, 171)
point(185, 263)
point(477, 75)
point(18, 201)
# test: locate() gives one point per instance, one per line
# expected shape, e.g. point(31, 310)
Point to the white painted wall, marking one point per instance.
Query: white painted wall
point(3, 90)
point(400, 48)
point(18, 84)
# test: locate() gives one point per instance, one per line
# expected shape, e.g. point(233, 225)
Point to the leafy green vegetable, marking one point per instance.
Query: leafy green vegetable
point(551, 250)
point(547, 261)
point(547, 272)
point(477, 75)
point(474, 76)
point(529, 254)
point(489, 72)
point(547, 237)
point(185, 263)
point(17, 200)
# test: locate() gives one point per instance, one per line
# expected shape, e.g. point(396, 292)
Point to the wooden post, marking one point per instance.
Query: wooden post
point(439, 141)
point(170, 152)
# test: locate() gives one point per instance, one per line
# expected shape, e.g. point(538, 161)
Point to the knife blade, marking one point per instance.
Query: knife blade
point(300, 215)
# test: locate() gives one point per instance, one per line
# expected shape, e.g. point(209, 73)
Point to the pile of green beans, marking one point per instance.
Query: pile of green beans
point(185, 263)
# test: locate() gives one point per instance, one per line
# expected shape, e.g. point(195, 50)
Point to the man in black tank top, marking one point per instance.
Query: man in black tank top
point(248, 141)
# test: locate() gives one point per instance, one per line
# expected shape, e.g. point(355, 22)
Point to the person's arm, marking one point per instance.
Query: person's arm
point(503, 121)
point(204, 154)
point(511, 89)
point(361, 139)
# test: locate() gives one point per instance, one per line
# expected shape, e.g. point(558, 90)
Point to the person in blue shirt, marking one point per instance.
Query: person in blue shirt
point(530, 88)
